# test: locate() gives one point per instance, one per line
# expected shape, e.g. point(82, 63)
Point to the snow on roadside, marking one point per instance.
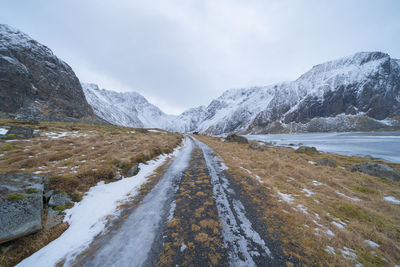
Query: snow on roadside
point(88, 218)
point(392, 199)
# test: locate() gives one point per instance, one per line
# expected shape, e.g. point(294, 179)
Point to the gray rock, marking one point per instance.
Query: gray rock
point(133, 171)
point(23, 215)
point(306, 149)
point(60, 200)
point(378, 170)
point(236, 138)
point(54, 218)
point(326, 162)
point(48, 194)
point(256, 146)
point(21, 132)
point(118, 176)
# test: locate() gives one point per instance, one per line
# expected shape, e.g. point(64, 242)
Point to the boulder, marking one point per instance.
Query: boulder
point(48, 195)
point(378, 170)
point(326, 162)
point(306, 149)
point(256, 146)
point(118, 176)
point(236, 138)
point(54, 218)
point(21, 205)
point(60, 200)
point(20, 132)
point(133, 171)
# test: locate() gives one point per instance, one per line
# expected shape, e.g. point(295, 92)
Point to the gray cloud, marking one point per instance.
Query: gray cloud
point(183, 53)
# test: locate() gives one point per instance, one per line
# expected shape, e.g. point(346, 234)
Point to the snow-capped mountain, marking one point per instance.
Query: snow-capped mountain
point(132, 109)
point(360, 92)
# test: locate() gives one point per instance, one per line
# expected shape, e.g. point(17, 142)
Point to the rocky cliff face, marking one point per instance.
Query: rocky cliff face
point(35, 84)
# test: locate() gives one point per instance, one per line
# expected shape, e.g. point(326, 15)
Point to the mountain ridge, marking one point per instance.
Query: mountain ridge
point(358, 92)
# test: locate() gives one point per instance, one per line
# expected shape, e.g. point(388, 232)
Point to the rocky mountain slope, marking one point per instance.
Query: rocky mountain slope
point(132, 109)
point(356, 93)
point(360, 92)
point(35, 84)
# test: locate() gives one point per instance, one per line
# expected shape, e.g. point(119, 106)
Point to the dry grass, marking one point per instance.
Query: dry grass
point(336, 196)
point(86, 154)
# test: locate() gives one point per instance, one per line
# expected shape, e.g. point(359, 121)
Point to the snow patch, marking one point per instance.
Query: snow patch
point(302, 208)
point(348, 254)
point(183, 247)
point(316, 183)
point(309, 193)
point(330, 250)
point(350, 198)
point(286, 197)
point(3, 131)
point(391, 199)
point(372, 243)
point(338, 225)
point(254, 175)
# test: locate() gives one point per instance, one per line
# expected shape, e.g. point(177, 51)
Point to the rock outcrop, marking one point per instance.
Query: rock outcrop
point(326, 162)
point(306, 149)
point(378, 170)
point(58, 200)
point(36, 85)
point(21, 205)
point(236, 138)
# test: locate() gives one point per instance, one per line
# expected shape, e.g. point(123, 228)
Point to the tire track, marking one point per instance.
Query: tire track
point(245, 245)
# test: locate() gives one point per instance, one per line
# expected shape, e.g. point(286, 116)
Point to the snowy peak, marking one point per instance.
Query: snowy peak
point(133, 110)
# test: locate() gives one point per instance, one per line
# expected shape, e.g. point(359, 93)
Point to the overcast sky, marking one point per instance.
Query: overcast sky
point(183, 53)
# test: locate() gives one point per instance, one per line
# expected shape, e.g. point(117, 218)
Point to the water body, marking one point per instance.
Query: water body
point(382, 145)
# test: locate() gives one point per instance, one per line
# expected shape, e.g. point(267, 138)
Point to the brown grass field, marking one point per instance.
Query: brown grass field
point(74, 157)
point(321, 215)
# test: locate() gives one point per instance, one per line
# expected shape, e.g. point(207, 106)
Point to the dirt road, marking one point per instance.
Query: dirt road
point(192, 215)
